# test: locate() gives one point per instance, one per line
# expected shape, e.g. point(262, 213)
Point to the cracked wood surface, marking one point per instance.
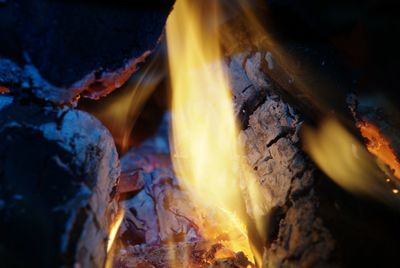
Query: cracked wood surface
point(297, 236)
point(162, 227)
point(311, 221)
point(58, 171)
point(62, 50)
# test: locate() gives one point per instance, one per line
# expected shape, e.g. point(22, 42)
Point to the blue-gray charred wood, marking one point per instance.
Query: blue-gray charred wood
point(297, 236)
point(311, 221)
point(161, 221)
point(58, 173)
point(66, 49)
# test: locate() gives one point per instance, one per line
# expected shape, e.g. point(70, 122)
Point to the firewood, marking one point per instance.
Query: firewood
point(58, 173)
point(81, 48)
point(285, 174)
point(296, 63)
point(201, 255)
point(311, 221)
point(162, 227)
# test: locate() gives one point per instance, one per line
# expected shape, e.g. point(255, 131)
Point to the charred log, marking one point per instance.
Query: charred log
point(312, 222)
point(162, 227)
point(66, 49)
point(58, 171)
point(271, 139)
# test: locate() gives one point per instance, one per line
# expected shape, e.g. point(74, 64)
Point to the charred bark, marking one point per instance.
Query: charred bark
point(58, 171)
point(296, 234)
point(66, 49)
point(162, 227)
point(311, 221)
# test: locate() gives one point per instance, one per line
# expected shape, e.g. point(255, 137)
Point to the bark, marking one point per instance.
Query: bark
point(296, 235)
point(67, 49)
point(311, 221)
point(58, 171)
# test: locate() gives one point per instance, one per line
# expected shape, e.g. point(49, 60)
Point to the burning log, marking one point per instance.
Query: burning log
point(311, 221)
point(271, 138)
point(62, 49)
point(202, 254)
point(377, 119)
point(58, 166)
point(162, 227)
point(58, 173)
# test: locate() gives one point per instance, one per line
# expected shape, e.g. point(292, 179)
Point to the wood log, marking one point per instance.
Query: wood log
point(67, 49)
point(58, 173)
point(162, 227)
point(271, 139)
point(311, 221)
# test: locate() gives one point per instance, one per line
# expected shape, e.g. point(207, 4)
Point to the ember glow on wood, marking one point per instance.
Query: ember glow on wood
point(379, 146)
point(277, 144)
point(346, 160)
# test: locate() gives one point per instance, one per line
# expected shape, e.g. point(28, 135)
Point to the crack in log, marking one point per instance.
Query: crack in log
point(271, 138)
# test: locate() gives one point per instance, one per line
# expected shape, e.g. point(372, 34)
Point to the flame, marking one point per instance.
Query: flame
point(379, 146)
point(206, 154)
point(120, 111)
point(346, 160)
point(114, 228)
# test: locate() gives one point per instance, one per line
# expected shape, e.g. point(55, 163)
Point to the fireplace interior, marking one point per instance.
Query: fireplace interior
point(199, 133)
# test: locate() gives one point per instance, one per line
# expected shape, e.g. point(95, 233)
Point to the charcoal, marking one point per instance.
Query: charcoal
point(162, 227)
point(160, 211)
point(58, 173)
point(311, 222)
point(67, 49)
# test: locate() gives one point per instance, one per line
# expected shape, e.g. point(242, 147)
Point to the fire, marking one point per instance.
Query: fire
point(206, 154)
point(114, 228)
point(346, 160)
point(379, 146)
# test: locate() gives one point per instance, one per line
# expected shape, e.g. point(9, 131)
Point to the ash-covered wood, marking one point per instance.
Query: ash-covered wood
point(196, 254)
point(311, 221)
point(162, 227)
point(64, 49)
point(296, 235)
point(58, 173)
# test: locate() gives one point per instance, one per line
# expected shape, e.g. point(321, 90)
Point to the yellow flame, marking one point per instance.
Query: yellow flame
point(206, 153)
point(344, 159)
point(114, 228)
point(120, 111)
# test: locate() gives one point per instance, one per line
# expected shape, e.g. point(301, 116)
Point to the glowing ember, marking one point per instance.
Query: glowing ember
point(346, 160)
point(379, 146)
point(206, 153)
point(4, 90)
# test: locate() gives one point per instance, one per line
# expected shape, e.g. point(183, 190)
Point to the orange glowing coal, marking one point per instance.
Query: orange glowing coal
point(350, 163)
point(4, 90)
point(379, 146)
